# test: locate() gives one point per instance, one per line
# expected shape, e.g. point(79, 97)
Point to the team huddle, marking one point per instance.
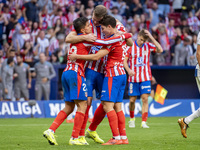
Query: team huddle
point(100, 51)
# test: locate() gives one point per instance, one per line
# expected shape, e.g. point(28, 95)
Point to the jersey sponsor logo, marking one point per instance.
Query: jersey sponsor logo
point(144, 87)
point(157, 111)
point(95, 49)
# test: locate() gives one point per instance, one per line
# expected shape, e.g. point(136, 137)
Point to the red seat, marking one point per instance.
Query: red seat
point(176, 17)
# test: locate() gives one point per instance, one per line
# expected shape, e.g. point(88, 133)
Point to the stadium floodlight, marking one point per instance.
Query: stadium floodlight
point(32, 103)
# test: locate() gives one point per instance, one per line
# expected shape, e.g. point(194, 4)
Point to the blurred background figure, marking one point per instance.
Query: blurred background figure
point(20, 83)
point(44, 72)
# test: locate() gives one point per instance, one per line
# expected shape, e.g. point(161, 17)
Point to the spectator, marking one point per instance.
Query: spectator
point(164, 7)
point(42, 45)
point(121, 5)
point(72, 15)
point(79, 8)
point(3, 21)
point(115, 14)
point(90, 5)
point(47, 4)
point(35, 31)
point(181, 56)
point(45, 19)
point(30, 11)
point(21, 87)
point(172, 49)
point(193, 22)
point(59, 28)
point(20, 17)
point(155, 15)
point(7, 78)
point(44, 72)
point(134, 32)
point(54, 59)
point(27, 53)
point(88, 13)
point(60, 16)
point(17, 39)
point(10, 25)
point(187, 6)
point(183, 23)
point(136, 8)
point(171, 32)
point(192, 51)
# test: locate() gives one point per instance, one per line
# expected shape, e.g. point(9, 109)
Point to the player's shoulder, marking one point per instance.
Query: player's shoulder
point(25, 64)
point(48, 63)
point(149, 44)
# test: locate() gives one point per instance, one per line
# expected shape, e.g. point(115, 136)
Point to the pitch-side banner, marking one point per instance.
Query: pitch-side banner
point(50, 109)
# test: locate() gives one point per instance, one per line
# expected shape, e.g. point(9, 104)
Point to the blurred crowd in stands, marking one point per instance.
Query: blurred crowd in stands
point(31, 27)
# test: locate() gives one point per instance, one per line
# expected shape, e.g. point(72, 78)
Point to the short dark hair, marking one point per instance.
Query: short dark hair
point(13, 16)
point(12, 50)
point(80, 23)
point(108, 20)
point(143, 34)
point(10, 59)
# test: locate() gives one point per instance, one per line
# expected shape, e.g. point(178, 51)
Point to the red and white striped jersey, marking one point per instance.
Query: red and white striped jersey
point(62, 18)
point(194, 23)
point(116, 56)
point(139, 61)
point(53, 46)
point(98, 66)
point(83, 49)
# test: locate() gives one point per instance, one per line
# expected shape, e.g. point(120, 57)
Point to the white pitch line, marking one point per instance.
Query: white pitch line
point(102, 124)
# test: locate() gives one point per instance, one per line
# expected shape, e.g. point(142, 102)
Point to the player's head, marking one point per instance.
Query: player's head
point(10, 61)
point(108, 23)
point(11, 53)
point(142, 37)
point(98, 13)
point(82, 25)
point(42, 57)
point(19, 59)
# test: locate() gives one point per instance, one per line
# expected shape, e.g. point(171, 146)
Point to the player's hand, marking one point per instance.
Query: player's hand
point(118, 33)
point(15, 75)
point(148, 34)
point(131, 73)
point(72, 57)
point(29, 86)
point(6, 91)
point(44, 80)
point(90, 37)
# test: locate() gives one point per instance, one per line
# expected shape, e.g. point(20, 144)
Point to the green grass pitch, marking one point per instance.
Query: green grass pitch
point(164, 133)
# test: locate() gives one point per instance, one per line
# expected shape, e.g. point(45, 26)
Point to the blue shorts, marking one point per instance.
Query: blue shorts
point(94, 80)
point(74, 86)
point(137, 89)
point(113, 88)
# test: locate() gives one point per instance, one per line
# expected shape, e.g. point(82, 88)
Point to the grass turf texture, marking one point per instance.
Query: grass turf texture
point(164, 133)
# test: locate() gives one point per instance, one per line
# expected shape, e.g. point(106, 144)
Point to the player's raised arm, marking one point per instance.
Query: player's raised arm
point(158, 46)
point(198, 49)
point(72, 37)
point(92, 57)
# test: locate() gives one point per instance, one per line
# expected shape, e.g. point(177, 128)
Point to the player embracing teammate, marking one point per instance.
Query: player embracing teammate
point(74, 86)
